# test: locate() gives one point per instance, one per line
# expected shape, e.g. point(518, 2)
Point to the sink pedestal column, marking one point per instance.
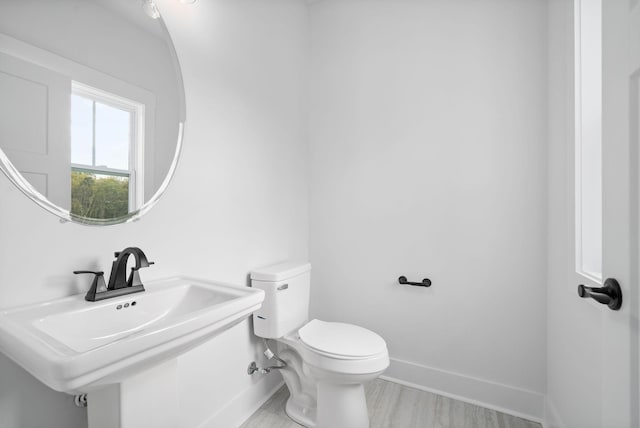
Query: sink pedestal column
point(147, 399)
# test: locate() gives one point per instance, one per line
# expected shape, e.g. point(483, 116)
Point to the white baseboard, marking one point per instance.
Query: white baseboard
point(243, 405)
point(503, 398)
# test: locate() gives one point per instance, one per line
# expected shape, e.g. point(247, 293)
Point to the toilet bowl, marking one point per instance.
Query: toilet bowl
point(327, 362)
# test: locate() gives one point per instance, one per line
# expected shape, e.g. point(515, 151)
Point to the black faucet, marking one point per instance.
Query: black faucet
point(118, 278)
point(118, 283)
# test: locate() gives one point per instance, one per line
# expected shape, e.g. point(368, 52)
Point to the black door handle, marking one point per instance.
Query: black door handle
point(610, 294)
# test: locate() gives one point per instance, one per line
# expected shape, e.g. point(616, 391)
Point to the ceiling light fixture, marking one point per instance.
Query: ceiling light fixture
point(150, 9)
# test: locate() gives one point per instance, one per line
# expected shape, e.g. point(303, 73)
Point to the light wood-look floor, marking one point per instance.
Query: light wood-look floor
point(396, 406)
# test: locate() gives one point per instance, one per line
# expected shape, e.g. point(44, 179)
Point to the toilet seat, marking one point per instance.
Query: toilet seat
point(325, 346)
point(341, 341)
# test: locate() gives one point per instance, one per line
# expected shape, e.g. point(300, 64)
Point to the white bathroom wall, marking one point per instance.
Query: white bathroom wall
point(428, 159)
point(572, 352)
point(238, 201)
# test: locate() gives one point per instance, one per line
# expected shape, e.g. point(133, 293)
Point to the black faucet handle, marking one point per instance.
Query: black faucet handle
point(97, 285)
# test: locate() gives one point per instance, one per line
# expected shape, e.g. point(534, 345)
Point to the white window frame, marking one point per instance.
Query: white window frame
point(137, 138)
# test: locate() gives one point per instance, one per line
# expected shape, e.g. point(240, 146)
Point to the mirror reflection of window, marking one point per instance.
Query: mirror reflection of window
point(105, 147)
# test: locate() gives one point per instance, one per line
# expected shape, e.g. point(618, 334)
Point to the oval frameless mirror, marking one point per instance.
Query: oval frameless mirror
point(91, 106)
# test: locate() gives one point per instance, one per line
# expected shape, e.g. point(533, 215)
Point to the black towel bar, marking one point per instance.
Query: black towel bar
point(425, 282)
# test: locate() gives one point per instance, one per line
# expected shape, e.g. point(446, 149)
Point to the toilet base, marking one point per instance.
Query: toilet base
point(305, 416)
point(321, 396)
point(341, 406)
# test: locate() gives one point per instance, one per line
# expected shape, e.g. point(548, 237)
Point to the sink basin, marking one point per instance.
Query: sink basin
point(74, 346)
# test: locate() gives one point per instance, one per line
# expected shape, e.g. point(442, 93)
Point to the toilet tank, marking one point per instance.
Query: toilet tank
point(286, 298)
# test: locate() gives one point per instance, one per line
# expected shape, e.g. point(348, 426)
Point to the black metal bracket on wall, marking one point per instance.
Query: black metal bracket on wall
point(426, 282)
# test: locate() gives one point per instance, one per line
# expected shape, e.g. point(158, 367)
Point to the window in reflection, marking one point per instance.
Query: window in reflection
point(106, 144)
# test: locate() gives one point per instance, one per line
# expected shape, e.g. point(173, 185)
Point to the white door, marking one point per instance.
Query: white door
point(607, 208)
point(35, 121)
point(620, 130)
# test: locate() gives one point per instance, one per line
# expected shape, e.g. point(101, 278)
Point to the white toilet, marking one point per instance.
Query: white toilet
point(327, 362)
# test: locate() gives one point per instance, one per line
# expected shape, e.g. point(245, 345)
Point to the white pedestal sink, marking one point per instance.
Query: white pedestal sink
point(146, 399)
point(122, 351)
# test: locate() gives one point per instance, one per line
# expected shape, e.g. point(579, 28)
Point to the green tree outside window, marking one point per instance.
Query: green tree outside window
point(101, 197)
